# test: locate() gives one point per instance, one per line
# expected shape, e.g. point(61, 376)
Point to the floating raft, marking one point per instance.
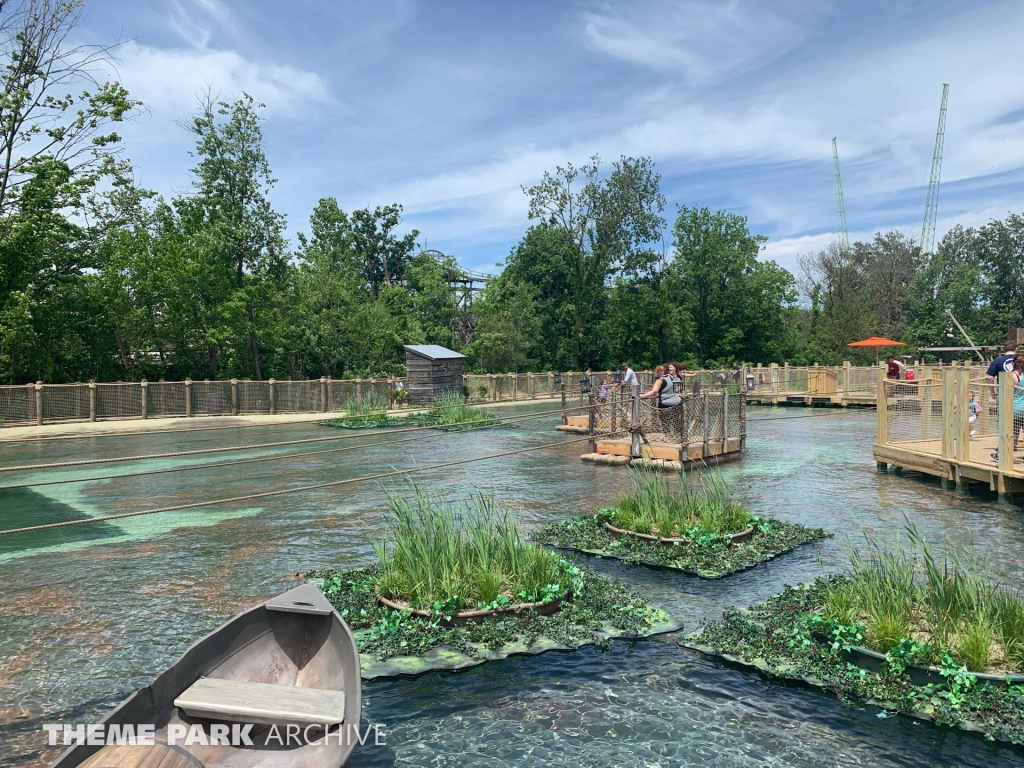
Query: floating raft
point(761, 547)
point(788, 673)
point(446, 659)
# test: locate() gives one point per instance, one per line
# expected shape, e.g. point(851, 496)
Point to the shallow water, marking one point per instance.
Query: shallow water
point(89, 613)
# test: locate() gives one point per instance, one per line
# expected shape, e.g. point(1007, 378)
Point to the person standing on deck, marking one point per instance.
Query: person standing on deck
point(893, 367)
point(1003, 363)
point(1018, 403)
point(629, 378)
point(664, 389)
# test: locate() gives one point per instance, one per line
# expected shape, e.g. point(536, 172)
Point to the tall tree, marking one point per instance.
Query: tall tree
point(608, 225)
point(229, 218)
point(737, 303)
point(54, 149)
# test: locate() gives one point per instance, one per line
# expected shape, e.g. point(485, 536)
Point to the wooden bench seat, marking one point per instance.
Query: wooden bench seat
point(261, 703)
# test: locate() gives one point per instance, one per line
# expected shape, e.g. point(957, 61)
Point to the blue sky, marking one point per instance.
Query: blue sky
point(449, 107)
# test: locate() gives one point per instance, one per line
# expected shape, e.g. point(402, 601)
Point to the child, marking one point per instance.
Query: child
point(973, 409)
point(604, 390)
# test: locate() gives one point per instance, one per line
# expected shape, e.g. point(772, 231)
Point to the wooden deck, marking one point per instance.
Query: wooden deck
point(663, 455)
point(925, 456)
point(840, 400)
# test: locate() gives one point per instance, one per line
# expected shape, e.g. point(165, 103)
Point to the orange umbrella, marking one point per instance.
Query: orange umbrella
point(877, 341)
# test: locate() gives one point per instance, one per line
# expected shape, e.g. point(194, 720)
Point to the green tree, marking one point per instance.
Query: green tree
point(54, 149)
point(606, 227)
point(738, 304)
point(231, 233)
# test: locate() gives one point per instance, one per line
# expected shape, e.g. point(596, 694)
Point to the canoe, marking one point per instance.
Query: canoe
point(283, 675)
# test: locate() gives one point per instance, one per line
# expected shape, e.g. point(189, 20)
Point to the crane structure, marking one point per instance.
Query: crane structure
point(844, 235)
point(931, 206)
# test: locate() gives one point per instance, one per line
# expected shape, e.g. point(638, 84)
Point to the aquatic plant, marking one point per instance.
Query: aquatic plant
point(691, 508)
point(367, 404)
point(451, 408)
point(597, 605)
point(465, 552)
point(783, 637)
point(905, 594)
point(706, 555)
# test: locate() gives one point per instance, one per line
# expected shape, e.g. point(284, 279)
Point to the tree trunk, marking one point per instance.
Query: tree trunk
point(252, 342)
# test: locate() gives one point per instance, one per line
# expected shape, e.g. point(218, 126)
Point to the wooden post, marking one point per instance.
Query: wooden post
point(359, 389)
point(39, 403)
point(634, 445)
point(1006, 428)
point(847, 377)
point(962, 427)
point(725, 419)
point(924, 391)
point(188, 397)
point(515, 385)
point(323, 392)
point(785, 378)
point(590, 413)
point(234, 397)
point(270, 395)
point(92, 401)
point(707, 425)
point(493, 381)
point(144, 386)
point(882, 416)
point(948, 421)
point(532, 385)
point(551, 383)
point(775, 378)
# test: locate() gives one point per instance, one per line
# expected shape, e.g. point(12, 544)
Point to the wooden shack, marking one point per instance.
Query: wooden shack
point(432, 369)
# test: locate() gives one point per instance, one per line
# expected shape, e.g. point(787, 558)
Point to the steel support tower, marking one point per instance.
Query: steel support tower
point(931, 206)
point(844, 235)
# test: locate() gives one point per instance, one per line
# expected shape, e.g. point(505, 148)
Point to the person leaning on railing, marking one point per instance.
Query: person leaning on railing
point(664, 389)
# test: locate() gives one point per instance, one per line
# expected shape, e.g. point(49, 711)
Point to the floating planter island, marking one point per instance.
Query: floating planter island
point(456, 586)
point(694, 527)
point(939, 643)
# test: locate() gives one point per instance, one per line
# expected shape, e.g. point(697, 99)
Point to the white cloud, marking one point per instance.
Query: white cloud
point(702, 40)
point(168, 80)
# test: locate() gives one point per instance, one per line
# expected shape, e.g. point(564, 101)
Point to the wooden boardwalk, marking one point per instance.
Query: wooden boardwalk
point(924, 426)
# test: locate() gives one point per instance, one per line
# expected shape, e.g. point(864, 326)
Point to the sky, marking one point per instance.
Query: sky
point(450, 108)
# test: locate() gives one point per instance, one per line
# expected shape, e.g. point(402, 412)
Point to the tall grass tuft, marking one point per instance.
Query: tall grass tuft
point(953, 600)
point(885, 588)
point(654, 506)
point(451, 408)
point(369, 404)
point(465, 551)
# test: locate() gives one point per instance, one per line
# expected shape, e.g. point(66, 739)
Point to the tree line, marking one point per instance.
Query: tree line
point(101, 279)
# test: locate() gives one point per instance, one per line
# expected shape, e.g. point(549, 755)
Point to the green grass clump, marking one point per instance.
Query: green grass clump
point(462, 553)
point(906, 595)
point(689, 508)
point(369, 404)
point(451, 408)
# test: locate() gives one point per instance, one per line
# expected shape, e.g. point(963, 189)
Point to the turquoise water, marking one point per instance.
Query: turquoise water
point(89, 613)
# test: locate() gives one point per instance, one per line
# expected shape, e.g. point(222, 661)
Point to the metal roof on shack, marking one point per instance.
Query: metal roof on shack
point(433, 351)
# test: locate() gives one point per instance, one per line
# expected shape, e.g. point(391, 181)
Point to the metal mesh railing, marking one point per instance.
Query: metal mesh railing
point(253, 397)
point(914, 413)
point(118, 401)
point(165, 398)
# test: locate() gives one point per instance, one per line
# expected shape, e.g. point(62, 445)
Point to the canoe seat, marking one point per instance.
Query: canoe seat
point(261, 703)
